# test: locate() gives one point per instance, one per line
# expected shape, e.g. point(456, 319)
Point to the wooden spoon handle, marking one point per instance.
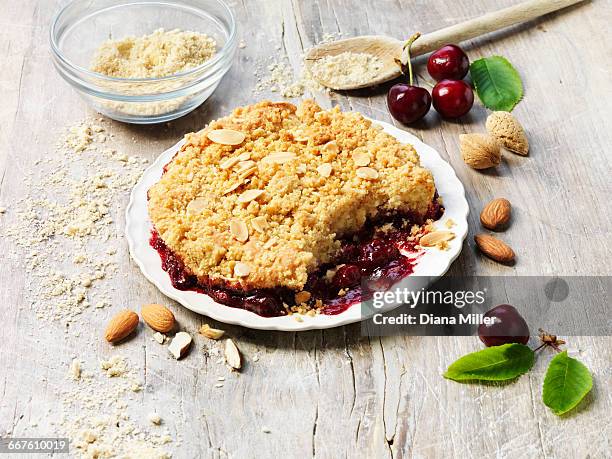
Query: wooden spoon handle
point(489, 22)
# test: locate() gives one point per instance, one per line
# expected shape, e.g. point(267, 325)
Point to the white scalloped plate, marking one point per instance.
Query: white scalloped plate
point(431, 265)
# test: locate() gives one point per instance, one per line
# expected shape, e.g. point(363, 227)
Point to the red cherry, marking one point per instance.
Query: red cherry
point(448, 63)
point(452, 98)
point(376, 254)
point(509, 327)
point(347, 276)
point(407, 103)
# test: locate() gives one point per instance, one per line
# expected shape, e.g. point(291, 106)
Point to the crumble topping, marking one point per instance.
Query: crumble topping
point(265, 212)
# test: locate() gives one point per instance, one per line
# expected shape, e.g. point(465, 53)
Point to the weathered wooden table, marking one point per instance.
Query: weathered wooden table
point(332, 393)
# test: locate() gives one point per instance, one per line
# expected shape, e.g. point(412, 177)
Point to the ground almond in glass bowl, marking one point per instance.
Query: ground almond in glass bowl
point(159, 54)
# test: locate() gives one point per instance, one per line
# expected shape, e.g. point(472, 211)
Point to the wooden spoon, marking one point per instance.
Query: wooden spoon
point(388, 49)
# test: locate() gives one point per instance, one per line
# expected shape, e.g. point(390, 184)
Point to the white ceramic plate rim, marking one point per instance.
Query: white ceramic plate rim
point(431, 265)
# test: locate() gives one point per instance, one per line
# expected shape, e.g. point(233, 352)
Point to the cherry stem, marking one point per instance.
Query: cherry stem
point(539, 347)
point(407, 46)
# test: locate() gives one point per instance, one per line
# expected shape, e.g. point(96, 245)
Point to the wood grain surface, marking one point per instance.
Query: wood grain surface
point(334, 393)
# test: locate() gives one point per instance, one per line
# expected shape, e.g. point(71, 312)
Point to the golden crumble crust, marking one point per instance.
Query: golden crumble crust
point(268, 211)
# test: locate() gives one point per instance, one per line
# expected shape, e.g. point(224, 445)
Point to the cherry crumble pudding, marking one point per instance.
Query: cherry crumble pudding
point(278, 209)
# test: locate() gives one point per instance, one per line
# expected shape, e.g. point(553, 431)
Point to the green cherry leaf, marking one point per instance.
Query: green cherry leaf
point(497, 83)
point(496, 363)
point(566, 383)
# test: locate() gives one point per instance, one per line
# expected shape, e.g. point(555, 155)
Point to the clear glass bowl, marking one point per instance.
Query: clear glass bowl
point(80, 27)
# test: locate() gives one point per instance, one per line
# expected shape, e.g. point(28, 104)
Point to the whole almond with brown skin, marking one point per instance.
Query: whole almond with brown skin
point(494, 248)
point(121, 325)
point(158, 317)
point(496, 214)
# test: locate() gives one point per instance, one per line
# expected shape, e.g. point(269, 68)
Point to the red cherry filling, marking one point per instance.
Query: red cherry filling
point(374, 256)
point(377, 253)
point(346, 276)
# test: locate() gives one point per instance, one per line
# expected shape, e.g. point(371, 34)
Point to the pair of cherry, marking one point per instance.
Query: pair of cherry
point(452, 97)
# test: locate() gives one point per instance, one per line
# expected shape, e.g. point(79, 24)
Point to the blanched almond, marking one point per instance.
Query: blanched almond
point(279, 157)
point(247, 173)
point(241, 269)
point(324, 170)
point(180, 345)
point(367, 173)
point(435, 238)
point(300, 136)
point(158, 317)
point(232, 355)
point(361, 159)
point(211, 333)
point(331, 147)
point(121, 325)
point(197, 206)
point(244, 165)
point(249, 195)
point(229, 163)
point(233, 187)
point(259, 224)
point(239, 230)
point(226, 136)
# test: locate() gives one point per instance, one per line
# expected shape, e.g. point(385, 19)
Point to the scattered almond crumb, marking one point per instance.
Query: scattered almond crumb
point(450, 223)
point(75, 369)
point(211, 333)
point(159, 337)
point(155, 419)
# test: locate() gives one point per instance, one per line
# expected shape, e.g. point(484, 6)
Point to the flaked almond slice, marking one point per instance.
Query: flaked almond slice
point(260, 224)
point(232, 355)
point(239, 230)
point(300, 136)
point(435, 238)
point(247, 173)
point(233, 187)
point(367, 173)
point(244, 165)
point(279, 157)
point(159, 337)
point(249, 195)
point(361, 159)
point(331, 147)
point(197, 206)
point(241, 269)
point(324, 170)
point(211, 333)
point(226, 136)
point(229, 163)
point(244, 156)
point(180, 345)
